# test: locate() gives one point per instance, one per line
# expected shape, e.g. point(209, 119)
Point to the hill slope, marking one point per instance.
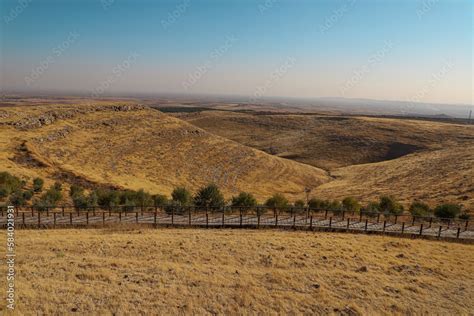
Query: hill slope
point(367, 157)
point(136, 147)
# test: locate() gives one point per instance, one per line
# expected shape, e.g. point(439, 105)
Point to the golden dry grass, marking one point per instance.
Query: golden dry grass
point(436, 162)
point(147, 149)
point(202, 272)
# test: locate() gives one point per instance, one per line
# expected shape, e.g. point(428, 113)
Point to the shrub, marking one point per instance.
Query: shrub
point(17, 198)
point(351, 204)
point(447, 210)
point(209, 196)
point(388, 205)
point(182, 196)
point(9, 184)
point(143, 198)
point(299, 204)
point(464, 216)
point(317, 203)
point(371, 208)
point(38, 184)
point(107, 198)
point(75, 190)
point(277, 201)
point(58, 186)
point(244, 199)
point(160, 200)
point(419, 209)
point(49, 199)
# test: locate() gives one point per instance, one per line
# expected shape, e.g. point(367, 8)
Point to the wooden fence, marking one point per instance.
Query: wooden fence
point(258, 217)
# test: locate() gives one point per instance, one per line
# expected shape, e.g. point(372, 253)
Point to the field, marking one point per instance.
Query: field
point(182, 271)
point(124, 145)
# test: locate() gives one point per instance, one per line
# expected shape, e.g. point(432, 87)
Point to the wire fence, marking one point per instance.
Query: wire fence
point(242, 217)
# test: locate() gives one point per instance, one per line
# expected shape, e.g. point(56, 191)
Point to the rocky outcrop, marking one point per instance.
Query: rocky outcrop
point(49, 117)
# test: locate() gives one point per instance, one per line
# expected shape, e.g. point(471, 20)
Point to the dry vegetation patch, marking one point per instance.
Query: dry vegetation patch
point(183, 271)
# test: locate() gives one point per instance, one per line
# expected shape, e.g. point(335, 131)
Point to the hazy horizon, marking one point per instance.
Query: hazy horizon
point(409, 51)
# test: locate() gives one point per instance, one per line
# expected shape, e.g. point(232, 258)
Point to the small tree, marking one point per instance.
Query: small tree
point(143, 198)
point(351, 204)
point(447, 210)
point(278, 201)
point(419, 209)
point(58, 186)
point(182, 196)
point(209, 196)
point(244, 199)
point(299, 204)
point(75, 189)
point(388, 205)
point(316, 203)
point(38, 184)
point(160, 200)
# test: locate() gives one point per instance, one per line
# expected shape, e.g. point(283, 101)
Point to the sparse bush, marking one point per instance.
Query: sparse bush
point(371, 209)
point(419, 209)
point(107, 198)
point(299, 204)
point(389, 205)
point(278, 201)
point(317, 203)
point(17, 198)
point(209, 196)
point(143, 198)
point(182, 196)
point(351, 204)
point(159, 200)
point(49, 199)
point(447, 210)
point(9, 184)
point(244, 199)
point(38, 184)
point(464, 216)
point(75, 189)
point(58, 186)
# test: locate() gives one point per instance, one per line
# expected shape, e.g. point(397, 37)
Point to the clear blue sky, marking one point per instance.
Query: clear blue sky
point(397, 50)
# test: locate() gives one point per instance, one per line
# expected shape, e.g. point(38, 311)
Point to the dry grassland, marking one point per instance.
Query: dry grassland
point(208, 272)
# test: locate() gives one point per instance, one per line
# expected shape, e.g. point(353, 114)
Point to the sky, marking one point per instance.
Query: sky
point(408, 50)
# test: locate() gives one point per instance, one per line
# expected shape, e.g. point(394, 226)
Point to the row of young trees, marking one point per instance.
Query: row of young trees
point(17, 193)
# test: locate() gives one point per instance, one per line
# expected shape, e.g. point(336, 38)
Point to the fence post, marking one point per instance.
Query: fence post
point(223, 219)
point(54, 218)
point(421, 229)
point(360, 217)
point(120, 216)
point(294, 221)
point(23, 218)
point(459, 231)
point(343, 214)
point(110, 211)
point(47, 211)
point(103, 217)
point(413, 221)
point(311, 222)
point(207, 220)
point(378, 218)
point(32, 211)
point(93, 211)
point(39, 219)
point(172, 216)
point(258, 220)
point(154, 217)
point(384, 225)
point(87, 217)
point(431, 221)
point(70, 218)
point(348, 223)
point(62, 209)
point(396, 219)
point(330, 222)
point(465, 227)
point(241, 219)
point(366, 224)
point(189, 216)
point(276, 220)
point(403, 227)
point(439, 231)
point(136, 217)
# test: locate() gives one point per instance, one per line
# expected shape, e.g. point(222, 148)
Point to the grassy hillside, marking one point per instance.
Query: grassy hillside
point(367, 157)
point(136, 147)
point(176, 272)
